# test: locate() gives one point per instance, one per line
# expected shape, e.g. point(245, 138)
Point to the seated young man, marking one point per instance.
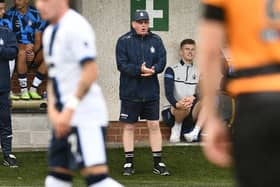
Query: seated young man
point(28, 26)
point(180, 83)
point(225, 103)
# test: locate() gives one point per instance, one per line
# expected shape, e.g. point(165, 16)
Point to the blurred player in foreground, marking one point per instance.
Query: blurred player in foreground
point(254, 42)
point(76, 105)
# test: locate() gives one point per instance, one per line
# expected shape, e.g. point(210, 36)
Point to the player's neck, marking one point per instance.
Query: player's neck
point(59, 15)
point(23, 10)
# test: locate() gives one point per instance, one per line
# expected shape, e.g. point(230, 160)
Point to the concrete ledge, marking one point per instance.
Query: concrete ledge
point(30, 130)
point(30, 106)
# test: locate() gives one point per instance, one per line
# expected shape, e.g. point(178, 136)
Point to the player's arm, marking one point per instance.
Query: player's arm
point(88, 77)
point(9, 51)
point(33, 49)
point(52, 111)
point(40, 27)
point(36, 52)
point(210, 61)
point(59, 120)
point(38, 42)
point(212, 37)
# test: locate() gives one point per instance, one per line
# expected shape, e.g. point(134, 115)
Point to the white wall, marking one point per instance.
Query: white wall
point(111, 18)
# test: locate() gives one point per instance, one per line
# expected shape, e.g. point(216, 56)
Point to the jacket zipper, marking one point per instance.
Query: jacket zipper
point(142, 48)
point(187, 73)
point(142, 51)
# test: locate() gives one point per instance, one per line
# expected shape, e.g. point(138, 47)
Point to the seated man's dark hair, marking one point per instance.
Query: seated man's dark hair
point(187, 41)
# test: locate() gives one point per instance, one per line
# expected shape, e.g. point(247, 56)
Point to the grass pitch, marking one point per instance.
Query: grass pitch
point(187, 166)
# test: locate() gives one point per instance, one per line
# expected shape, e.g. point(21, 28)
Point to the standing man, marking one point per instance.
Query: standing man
point(140, 56)
point(28, 26)
point(5, 22)
point(8, 51)
point(254, 42)
point(76, 106)
point(180, 83)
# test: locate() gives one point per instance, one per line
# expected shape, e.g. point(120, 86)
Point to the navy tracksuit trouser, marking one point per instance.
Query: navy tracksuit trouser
point(5, 123)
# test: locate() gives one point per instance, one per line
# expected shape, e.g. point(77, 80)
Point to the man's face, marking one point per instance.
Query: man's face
point(187, 52)
point(2, 9)
point(141, 27)
point(49, 9)
point(20, 4)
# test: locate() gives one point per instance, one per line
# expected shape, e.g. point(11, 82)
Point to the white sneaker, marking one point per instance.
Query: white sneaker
point(175, 133)
point(191, 136)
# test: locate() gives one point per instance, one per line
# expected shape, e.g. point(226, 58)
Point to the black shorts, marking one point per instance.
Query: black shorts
point(5, 123)
point(256, 140)
point(131, 111)
point(169, 119)
point(82, 147)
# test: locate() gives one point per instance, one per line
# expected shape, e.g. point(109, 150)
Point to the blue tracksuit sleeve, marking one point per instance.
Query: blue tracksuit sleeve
point(169, 86)
point(9, 51)
point(123, 64)
point(160, 65)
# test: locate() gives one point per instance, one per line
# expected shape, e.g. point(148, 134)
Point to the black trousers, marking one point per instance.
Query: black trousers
point(256, 140)
point(5, 123)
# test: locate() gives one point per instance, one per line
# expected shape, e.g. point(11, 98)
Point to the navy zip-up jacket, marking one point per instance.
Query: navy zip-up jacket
point(131, 52)
point(8, 51)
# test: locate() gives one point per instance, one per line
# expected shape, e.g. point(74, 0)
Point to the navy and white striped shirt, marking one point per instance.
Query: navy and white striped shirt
point(25, 25)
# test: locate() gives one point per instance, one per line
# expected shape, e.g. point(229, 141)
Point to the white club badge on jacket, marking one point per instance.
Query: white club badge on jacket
point(1, 41)
point(152, 49)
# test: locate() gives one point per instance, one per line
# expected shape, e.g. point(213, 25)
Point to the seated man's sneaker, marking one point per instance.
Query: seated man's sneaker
point(175, 133)
point(14, 97)
point(25, 96)
point(10, 161)
point(160, 169)
point(191, 137)
point(128, 169)
point(35, 95)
